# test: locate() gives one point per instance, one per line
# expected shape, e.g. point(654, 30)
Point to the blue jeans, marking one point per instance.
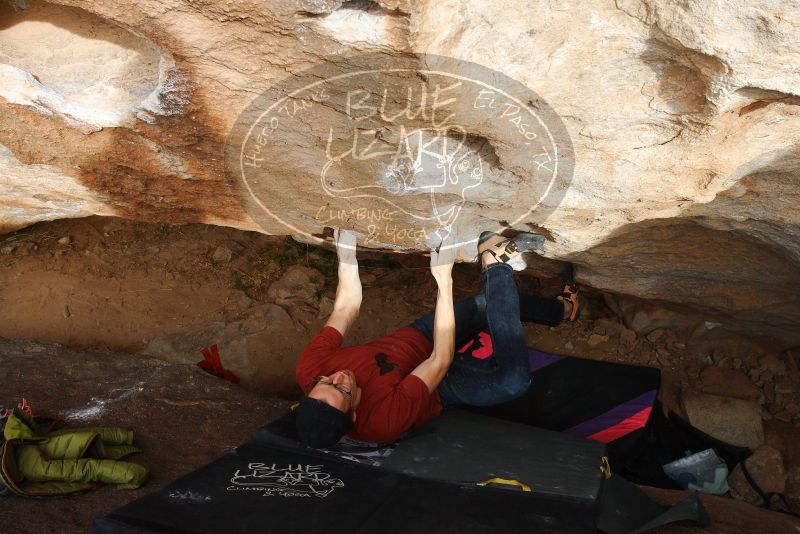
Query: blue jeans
point(500, 310)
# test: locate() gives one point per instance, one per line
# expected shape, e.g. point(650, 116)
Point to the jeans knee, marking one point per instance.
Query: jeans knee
point(516, 383)
point(480, 303)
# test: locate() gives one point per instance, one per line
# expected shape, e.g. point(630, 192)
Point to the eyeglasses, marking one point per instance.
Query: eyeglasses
point(327, 381)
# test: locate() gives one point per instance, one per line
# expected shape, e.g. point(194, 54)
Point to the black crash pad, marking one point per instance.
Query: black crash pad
point(464, 447)
point(427, 482)
point(467, 447)
point(262, 489)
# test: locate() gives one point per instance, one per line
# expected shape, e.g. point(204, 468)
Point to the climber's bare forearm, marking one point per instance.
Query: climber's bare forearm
point(432, 370)
point(348, 297)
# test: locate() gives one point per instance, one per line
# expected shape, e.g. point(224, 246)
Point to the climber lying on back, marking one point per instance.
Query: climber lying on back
point(378, 391)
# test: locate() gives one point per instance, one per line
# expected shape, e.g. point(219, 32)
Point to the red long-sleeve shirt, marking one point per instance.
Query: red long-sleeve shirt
point(392, 399)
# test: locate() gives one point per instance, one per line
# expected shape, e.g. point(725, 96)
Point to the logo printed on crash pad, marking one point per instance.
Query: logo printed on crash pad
point(285, 481)
point(384, 364)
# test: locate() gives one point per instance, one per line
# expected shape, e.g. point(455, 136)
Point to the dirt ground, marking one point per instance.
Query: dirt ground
point(127, 286)
point(182, 418)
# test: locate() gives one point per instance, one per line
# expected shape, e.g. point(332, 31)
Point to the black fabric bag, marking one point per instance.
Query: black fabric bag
point(667, 438)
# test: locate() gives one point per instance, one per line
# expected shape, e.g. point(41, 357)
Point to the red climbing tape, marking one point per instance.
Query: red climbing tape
point(23, 407)
point(213, 364)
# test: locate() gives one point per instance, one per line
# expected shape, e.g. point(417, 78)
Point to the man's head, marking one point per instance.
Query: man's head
point(328, 411)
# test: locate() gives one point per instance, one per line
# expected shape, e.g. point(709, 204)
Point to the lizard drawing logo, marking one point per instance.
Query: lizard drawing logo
point(285, 481)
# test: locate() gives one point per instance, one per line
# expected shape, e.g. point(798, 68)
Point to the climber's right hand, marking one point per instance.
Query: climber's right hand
point(346, 244)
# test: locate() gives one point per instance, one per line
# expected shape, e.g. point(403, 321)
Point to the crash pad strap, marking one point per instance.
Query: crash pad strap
point(506, 482)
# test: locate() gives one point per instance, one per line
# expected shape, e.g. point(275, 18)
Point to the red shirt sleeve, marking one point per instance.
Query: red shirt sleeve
point(313, 358)
point(398, 412)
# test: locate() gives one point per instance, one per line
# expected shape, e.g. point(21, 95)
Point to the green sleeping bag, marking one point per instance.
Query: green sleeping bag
point(38, 462)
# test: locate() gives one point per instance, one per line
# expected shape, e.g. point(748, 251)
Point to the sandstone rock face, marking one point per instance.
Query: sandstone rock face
point(677, 173)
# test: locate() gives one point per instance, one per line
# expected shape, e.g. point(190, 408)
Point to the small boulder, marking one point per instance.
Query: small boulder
point(772, 363)
point(299, 285)
point(785, 386)
point(325, 307)
point(608, 327)
point(655, 335)
point(368, 279)
point(733, 421)
point(792, 359)
point(793, 487)
point(26, 247)
point(264, 316)
point(767, 470)
point(728, 383)
point(596, 339)
point(643, 317)
point(783, 415)
point(227, 251)
point(627, 337)
point(222, 254)
point(66, 240)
